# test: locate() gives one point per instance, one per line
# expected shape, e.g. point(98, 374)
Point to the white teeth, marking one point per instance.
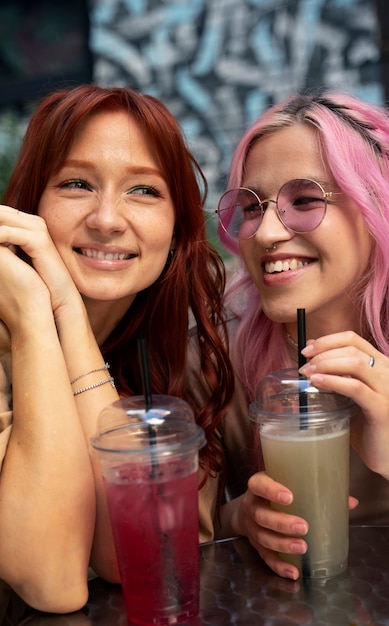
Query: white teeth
point(104, 256)
point(283, 266)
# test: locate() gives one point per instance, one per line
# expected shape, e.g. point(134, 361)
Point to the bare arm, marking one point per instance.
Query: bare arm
point(82, 354)
point(47, 504)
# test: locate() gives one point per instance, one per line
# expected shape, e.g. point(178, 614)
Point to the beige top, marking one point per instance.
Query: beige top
point(236, 436)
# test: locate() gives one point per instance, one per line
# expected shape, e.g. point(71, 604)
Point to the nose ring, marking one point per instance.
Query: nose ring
point(273, 247)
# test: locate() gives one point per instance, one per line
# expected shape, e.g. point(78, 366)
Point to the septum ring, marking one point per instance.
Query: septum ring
point(371, 361)
point(273, 247)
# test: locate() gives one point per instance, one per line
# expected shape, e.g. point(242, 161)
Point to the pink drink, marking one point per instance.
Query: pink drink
point(154, 514)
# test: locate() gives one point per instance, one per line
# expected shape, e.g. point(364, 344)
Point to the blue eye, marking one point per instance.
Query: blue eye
point(76, 183)
point(144, 190)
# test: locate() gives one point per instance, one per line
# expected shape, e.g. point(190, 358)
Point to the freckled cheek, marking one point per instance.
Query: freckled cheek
point(51, 216)
point(57, 227)
point(162, 232)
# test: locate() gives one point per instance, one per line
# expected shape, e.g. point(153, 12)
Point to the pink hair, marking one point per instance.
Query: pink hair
point(354, 139)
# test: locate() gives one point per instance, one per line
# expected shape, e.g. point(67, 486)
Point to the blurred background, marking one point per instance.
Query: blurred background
point(216, 64)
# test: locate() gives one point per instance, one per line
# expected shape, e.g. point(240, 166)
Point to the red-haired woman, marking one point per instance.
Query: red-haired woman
point(104, 241)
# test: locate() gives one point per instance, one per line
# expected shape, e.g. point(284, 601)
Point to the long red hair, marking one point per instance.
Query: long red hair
point(194, 279)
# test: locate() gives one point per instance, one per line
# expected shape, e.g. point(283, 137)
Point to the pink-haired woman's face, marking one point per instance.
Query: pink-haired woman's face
point(317, 270)
point(109, 210)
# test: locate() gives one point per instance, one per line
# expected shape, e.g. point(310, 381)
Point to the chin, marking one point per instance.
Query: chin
point(281, 314)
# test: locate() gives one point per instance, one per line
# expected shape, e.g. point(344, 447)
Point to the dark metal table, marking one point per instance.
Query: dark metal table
point(238, 589)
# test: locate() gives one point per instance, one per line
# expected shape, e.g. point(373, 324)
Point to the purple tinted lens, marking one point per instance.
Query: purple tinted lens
point(240, 213)
point(301, 205)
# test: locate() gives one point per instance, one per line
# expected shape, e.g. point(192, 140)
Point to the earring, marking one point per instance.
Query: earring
point(274, 247)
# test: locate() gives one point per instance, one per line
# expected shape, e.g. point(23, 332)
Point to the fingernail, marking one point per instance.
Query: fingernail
point(307, 369)
point(284, 497)
point(308, 349)
point(317, 379)
point(291, 573)
point(297, 548)
point(300, 528)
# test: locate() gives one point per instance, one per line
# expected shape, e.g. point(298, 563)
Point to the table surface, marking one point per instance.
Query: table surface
point(238, 589)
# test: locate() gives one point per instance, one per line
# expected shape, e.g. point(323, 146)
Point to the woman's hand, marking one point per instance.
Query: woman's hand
point(24, 296)
point(29, 232)
point(269, 531)
point(347, 364)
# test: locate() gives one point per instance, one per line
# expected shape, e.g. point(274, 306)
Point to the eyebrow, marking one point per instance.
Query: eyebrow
point(142, 170)
point(327, 186)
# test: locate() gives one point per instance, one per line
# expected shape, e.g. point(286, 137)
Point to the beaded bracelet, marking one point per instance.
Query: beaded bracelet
point(101, 382)
point(98, 369)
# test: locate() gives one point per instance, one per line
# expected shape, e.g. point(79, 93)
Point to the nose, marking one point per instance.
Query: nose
point(271, 229)
point(107, 217)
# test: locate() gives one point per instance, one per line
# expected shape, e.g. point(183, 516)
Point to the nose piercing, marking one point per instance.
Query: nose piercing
point(274, 247)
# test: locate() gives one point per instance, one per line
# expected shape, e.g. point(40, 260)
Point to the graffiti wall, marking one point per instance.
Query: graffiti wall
point(218, 63)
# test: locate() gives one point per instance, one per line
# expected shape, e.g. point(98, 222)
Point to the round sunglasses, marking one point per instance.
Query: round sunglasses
point(301, 206)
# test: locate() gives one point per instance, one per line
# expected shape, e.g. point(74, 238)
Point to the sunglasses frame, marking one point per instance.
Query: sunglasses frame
point(327, 195)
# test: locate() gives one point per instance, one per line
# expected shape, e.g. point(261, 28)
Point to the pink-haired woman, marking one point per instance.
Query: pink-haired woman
point(307, 211)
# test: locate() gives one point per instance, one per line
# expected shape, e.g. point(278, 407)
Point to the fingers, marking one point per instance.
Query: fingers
point(29, 232)
point(341, 353)
point(270, 530)
point(269, 491)
point(24, 231)
point(343, 361)
point(336, 340)
point(352, 503)
point(347, 364)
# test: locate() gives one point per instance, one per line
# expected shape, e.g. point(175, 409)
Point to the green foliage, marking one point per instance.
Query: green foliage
point(212, 236)
point(11, 134)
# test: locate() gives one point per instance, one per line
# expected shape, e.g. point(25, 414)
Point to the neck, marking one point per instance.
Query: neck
point(290, 340)
point(105, 316)
point(292, 346)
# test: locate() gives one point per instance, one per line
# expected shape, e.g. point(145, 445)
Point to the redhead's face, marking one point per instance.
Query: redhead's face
point(109, 210)
point(317, 270)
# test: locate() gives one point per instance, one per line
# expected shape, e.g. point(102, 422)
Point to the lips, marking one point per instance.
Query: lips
point(92, 253)
point(276, 267)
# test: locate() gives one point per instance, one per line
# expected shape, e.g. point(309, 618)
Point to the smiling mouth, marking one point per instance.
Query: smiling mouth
point(105, 256)
point(276, 267)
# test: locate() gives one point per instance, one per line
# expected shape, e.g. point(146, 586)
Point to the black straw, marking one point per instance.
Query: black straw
point(172, 589)
point(303, 405)
point(152, 430)
point(142, 350)
point(301, 336)
point(301, 341)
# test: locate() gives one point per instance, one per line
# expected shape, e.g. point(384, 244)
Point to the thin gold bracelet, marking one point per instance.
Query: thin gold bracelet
point(98, 369)
point(101, 382)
